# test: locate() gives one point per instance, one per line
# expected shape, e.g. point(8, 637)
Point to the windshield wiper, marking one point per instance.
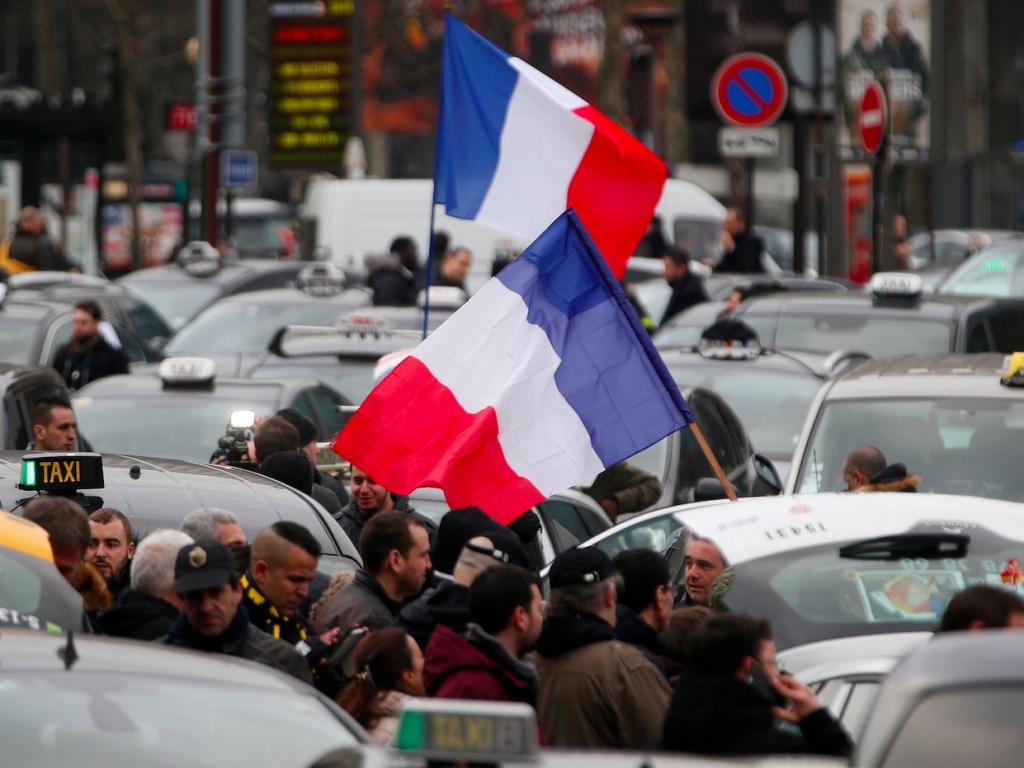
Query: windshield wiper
point(927, 545)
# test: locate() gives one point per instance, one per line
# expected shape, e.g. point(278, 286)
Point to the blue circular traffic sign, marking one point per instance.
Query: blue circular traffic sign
point(749, 90)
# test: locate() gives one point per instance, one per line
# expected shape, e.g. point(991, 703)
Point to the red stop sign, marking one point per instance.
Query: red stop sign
point(871, 121)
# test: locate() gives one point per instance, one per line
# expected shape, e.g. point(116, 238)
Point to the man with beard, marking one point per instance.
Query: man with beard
point(111, 547)
point(88, 356)
point(53, 425)
point(368, 498)
point(485, 662)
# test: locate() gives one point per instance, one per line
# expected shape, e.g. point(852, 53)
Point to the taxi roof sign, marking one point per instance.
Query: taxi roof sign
point(321, 279)
point(61, 471)
point(186, 371)
point(897, 285)
point(442, 297)
point(468, 731)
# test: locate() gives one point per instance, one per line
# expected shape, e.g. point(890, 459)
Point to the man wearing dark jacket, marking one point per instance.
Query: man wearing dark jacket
point(485, 662)
point(309, 445)
point(727, 701)
point(687, 288)
point(742, 248)
point(213, 618)
point(150, 606)
point(396, 280)
point(278, 435)
point(396, 558)
point(644, 606)
point(88, 356)
point(369, 498)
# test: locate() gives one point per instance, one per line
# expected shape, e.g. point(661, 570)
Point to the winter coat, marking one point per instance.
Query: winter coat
point(631, 487)
point(243, 640)
point(722, 715)
point(893, 478)
point(473, 665)
point(352, 520)
point(138, 616)
point(632, 629)
point(745, 256)
point(363, 603)
point(596, 691)
point(99, 359)
point(687, 291)
point(386, 729)
point(446, 605)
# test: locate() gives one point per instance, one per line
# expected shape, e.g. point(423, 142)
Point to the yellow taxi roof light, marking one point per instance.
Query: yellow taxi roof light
point(1013, 370)
point(24, 536)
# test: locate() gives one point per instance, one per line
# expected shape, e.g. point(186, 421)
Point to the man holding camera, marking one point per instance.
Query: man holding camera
point(282, 566)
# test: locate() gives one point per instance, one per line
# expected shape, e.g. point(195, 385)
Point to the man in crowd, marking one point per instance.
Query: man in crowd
point(644, 603)
point(448, 603)
point(282, 566)
point(53, 425)
point(623, 489)
point(396, 281)
point(88, 356)
point(277, 435)
point(396, 557)
point(596, 692)
point(213, 618)
point(367, 499)
point(687, 288)
point(68, 527)
point(111, 547)
point(29, 249)
point(217, 524)
point(150, 605)
point(728, 699)
point(309, 445)
point(485, 662)
point(742, 249)
point(865, 471)
point(705, 572)
point(455, 265)
point(983, 607)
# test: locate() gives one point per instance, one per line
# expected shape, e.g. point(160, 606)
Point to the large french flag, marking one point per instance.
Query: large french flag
point(515, 149)
point(542, 379)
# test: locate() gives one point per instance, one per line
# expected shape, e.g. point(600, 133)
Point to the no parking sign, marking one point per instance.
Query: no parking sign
point(749, 90)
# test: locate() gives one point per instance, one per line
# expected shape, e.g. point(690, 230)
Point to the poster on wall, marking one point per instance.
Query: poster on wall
point(887, 42)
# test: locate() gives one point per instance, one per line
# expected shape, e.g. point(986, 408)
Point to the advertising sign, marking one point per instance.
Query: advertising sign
point(888, 43)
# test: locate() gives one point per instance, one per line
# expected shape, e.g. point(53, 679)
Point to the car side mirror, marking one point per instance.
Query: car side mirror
point(768, 482)
point(708, 489)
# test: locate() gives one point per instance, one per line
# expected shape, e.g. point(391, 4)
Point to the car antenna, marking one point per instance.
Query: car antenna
point(68, 654)
point(817, 472)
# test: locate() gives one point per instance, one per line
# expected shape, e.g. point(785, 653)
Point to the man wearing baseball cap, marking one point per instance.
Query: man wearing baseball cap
point(595, 691)
point(213, 618)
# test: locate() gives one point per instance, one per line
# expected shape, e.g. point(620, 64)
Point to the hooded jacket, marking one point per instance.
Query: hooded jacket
point(894, 477)
point(473, 665)
point(446, 605)
point(721, 715)
point(363, 603)
point(596, 691)
point(138, 616)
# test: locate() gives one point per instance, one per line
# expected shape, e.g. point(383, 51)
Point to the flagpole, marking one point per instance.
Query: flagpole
point(430, 263)
point(729, 491)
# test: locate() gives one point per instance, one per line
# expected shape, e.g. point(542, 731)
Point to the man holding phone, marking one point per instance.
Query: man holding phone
point(728, 700)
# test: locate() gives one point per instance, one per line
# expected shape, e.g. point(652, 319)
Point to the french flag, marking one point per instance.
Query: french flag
point(515, 149)
point(541, 380)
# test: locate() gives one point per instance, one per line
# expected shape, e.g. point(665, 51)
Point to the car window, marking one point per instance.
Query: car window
point(18, 433)
point(716, 431)
point(858, 704)
point(977, 336)
point(1007, 330)
point(147, 323)
point(353, 378)
point(957, 445)
point(946, 728)
point(177, 302)
point(994, 272)
point(648, 534)
point(565, 514)
point(327, 404)
point(132, 349)
point(877, 336)
point(58, 335)
point(592, 521)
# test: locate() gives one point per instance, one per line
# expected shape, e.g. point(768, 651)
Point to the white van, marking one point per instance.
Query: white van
point(359, 217)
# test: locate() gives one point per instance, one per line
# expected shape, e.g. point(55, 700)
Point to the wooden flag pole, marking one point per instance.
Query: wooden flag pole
point(712, 461)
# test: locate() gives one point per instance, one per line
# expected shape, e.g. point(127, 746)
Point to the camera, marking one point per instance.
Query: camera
point(234, 444)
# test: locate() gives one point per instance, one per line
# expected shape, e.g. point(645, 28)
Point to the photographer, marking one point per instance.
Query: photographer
point(728, 700)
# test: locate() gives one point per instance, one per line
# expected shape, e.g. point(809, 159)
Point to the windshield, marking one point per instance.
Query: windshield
point(177, 303)
point(877, 336)
point(772, 405)
point(246, 329)
point(185, 426)
point(996, 272)
point(352, 378)
point(18, 339)
point(112, 719)
point(261, 233)
point(969, 447)
point(815, 594)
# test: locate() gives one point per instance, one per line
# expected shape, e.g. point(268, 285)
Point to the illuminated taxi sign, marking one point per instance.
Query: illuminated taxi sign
point(443, 297)
point(61, 471)
point(468, 731)
point(187, 371)
point(897, 285)
point(1013, 370)
point(321, 279)
point(362, 325)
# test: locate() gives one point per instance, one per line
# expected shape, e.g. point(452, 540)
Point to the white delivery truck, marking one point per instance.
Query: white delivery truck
point(356, 218)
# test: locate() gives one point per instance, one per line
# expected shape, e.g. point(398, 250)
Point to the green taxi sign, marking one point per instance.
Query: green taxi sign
point(468, 731)
point(61, 471)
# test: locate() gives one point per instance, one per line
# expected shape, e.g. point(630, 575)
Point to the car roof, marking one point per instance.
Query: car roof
point(159, 493)
point(818, 364)
point(814, 302)
point(285, 296)
point(151, 384)
point(849, 656)
point(949, 375)
point(741, 528)
point(326, 341)
point(229, 273)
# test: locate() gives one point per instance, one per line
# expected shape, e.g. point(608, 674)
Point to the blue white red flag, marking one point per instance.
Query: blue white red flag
point(541, 380)
point(515, 149)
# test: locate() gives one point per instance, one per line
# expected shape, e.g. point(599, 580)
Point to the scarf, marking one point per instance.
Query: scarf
point(266, 617)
